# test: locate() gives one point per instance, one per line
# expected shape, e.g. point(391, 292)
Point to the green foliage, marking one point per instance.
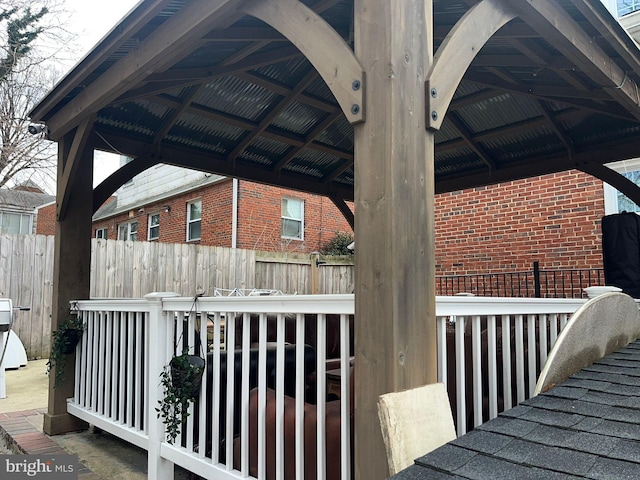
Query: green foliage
point(338, 244)
point(64, 341)
point(21, 33)
point(180, 382)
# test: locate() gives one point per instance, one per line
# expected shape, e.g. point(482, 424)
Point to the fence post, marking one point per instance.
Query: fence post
point(536, 279)
point(315, 273)
point(158, 356)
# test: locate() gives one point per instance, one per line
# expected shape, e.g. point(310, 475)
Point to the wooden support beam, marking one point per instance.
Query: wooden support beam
point(322, 46)
point(395, 260)
point(560, 30)
point(460, 47)
point(71, 269)
point(70, 164)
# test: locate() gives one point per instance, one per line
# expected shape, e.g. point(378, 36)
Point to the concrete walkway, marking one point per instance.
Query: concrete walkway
point(102, 456)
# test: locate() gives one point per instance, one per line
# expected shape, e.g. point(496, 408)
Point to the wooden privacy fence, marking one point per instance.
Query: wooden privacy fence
point(126, 269)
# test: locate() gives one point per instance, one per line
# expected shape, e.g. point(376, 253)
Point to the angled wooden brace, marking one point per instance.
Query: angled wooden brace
point(344, 209)
point(613, 178)
point(322, 45)
point(70, 164)
point(459, 48)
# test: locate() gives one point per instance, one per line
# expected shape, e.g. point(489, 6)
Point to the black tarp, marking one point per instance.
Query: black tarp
point(621, 252)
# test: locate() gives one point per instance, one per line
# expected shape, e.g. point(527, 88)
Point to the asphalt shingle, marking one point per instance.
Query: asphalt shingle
point(588, 427)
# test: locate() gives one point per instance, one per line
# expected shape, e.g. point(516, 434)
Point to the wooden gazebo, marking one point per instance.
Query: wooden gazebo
point(380, 102)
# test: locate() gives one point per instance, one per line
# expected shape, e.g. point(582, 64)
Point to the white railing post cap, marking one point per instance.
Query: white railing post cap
point(154, 296)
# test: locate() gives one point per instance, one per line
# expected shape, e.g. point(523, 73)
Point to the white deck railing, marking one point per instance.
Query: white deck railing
point(484, 357)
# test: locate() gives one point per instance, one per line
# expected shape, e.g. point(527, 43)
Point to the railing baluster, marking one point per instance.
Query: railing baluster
point(477, 369)
point(492, 367)
point(544, 347)
point(461, 414)
point(519, 339)
point(506, 361)
point(300, 387)
point(280, 396)
point(441, 334)
point(321, 382)
point(345, 399)
point(531, 348)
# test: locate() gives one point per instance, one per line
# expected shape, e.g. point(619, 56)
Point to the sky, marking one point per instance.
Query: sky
point(91, 21)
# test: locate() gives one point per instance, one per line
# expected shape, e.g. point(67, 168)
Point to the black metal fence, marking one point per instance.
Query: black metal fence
point(535, 283)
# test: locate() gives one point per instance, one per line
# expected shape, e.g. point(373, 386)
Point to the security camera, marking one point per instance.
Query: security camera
point(37, 129)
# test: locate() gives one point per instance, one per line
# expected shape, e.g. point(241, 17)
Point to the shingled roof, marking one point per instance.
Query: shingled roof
point(587, 427)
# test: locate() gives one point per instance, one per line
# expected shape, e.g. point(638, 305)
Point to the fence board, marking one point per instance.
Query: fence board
point(126, 269)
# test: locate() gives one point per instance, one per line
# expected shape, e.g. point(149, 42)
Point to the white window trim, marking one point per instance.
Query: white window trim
point(103, 229)
point(128, 224)
point(610, 193)
point(190, 221)
point(301, 220)
point(149, 226)
point(21, 214)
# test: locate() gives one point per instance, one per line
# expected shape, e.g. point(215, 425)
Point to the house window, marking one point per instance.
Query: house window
point(292, 218)
point(15, 222)
point(627, 6)
point(614, 201)
point(154, 226)
point(128, 231)
point(101, 233)
point(194, 220)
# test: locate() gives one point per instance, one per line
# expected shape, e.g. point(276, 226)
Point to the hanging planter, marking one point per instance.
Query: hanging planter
point(181, 380)
point(64, 342)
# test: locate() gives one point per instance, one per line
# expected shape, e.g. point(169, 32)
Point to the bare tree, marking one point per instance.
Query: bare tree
point(24, 156)
point(30, 39)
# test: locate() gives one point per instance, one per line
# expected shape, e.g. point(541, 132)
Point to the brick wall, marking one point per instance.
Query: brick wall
point(46, 222)
point(553, 219)
point(259, 225)
point(259, 218)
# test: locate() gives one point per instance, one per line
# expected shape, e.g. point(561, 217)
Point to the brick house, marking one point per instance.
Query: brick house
point(174, 205)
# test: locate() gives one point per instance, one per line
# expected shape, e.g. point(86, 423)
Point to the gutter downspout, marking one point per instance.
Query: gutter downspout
point(234, 215)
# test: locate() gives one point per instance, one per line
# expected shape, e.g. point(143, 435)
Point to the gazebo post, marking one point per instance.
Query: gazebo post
point(394, 196)
point(72, 258)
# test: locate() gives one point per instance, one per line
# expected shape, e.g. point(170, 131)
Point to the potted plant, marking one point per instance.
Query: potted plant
point(181, 380)
point(65, 340)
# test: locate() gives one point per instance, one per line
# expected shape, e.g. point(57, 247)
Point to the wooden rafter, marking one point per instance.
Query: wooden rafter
point(173, 117)
point(273, 112)
point(178, 78)
point(467, 136)
point(308, 141)
point(179, 34)
point(557, 94)
point(322, 46)
point(564, 33)
point(286, 138)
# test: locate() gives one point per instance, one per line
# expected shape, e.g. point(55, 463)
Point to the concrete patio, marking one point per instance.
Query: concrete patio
point(101, 455)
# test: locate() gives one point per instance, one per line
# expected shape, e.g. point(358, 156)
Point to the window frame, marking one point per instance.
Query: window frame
point(190, 221)
point(130, 231)
point(99, 230)
point(626, 10)
point(284, 218)
point(22, 216)
point(151, 227)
